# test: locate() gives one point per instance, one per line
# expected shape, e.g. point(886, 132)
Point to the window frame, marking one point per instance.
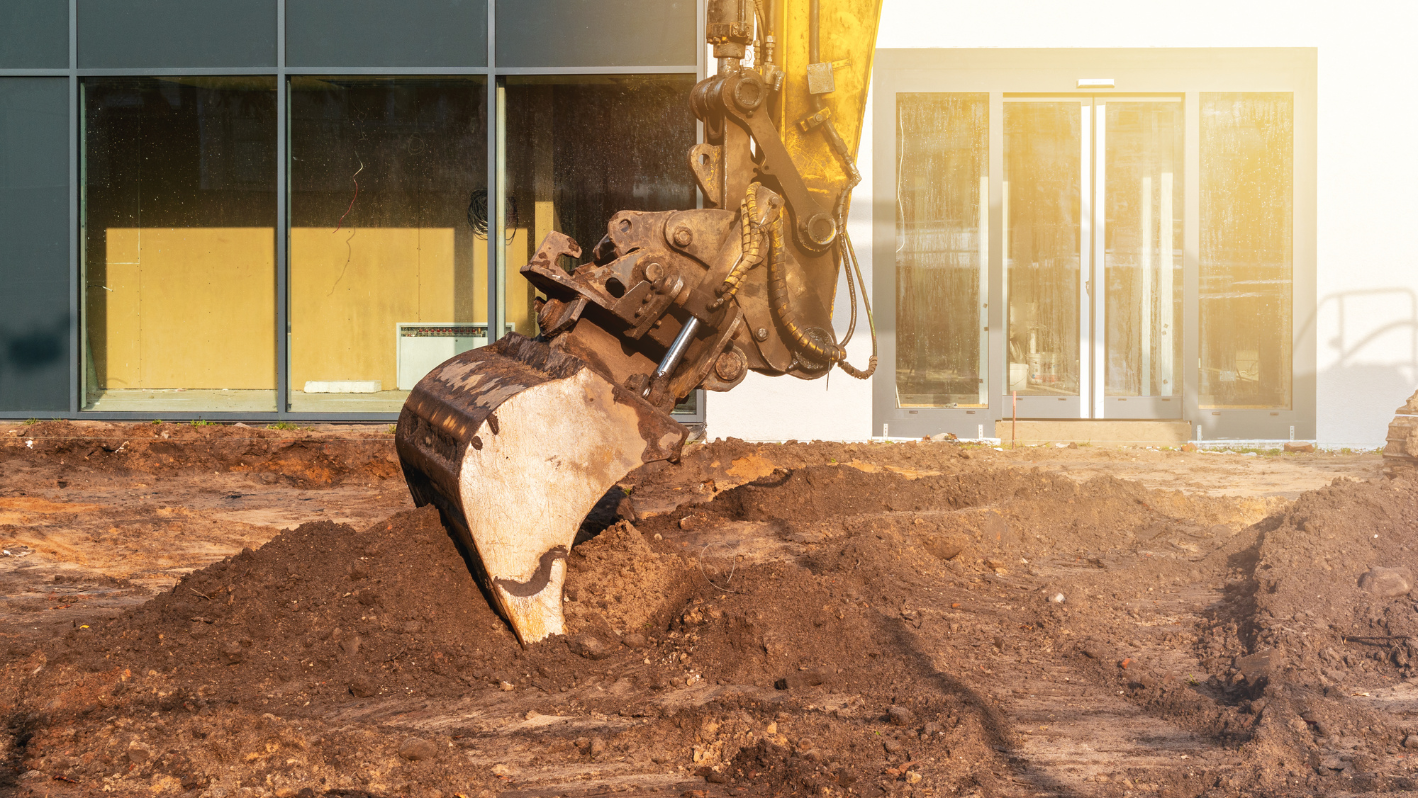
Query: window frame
point(695, 63)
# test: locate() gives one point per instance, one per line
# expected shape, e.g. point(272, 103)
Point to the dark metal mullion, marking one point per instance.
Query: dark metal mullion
point(682, 69)
point(282, 217)
point(494, 232)
point(162, 72)
point(76, 353)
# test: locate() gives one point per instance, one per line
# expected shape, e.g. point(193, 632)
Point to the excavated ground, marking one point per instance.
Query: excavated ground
point(229, 611)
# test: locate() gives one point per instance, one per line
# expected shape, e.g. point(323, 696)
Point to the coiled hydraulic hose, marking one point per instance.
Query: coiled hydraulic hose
point(752, 248)
point(778, 300)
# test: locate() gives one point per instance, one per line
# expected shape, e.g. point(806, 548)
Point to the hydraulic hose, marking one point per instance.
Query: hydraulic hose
point(778, 300)
point(854, 178)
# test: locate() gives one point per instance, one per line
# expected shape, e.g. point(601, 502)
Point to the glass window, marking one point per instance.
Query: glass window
point(1042, 210)
point(179, 213)
point(388, 248)
point(1247, 202)
point(1143, 252)
point(942, 187)
point(580, 149)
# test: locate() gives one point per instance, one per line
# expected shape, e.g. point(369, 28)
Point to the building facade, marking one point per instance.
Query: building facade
point(291, 209)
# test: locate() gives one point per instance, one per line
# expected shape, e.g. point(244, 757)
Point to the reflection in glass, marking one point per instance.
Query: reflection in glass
point(179, 215)
point(1247, 174)
point(942, 183)
point(388, 252)
point(1042, 154)
point(578, 150)
point(1143, 254)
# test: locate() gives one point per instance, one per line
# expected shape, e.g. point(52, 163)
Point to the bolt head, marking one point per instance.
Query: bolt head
point(654, 271)
point(761, 334)
point(730, 366)
point(683, 237)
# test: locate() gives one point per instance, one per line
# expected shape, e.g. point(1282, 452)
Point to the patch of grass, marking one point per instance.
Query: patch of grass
point(30, 422)
point(392, 429)
point(283, 425)
point(200, 422)
point(156, 421)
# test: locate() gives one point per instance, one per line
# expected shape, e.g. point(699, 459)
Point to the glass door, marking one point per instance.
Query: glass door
point(1092, 240)
point(1138, 229)
point(1048, 217)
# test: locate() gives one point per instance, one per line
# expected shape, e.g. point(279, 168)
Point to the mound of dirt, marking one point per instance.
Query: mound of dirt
point(318, 613)
point(304, 458)
point(1319, 636)
point(968, 513)
point(324, 618)
point(324, 613)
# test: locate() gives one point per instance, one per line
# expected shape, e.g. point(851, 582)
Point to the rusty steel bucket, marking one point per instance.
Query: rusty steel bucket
point(514, 443)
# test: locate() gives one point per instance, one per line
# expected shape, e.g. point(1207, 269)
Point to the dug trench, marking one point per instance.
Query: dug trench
point(851, 620)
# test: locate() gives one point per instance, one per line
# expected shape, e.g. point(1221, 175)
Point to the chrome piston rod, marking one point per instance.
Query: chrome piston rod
point(676, 353)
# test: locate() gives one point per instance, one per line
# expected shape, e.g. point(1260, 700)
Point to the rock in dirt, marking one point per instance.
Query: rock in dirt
point(1259, 666)
point(945, 547)
point(590, 647)
point(138, 753)
point(416, 749)
point(363, 688)
point(1387, 582)
point(1411, 741)
point(900, 716)
point(1304, 448)
point(231, 652)
point(634, 640)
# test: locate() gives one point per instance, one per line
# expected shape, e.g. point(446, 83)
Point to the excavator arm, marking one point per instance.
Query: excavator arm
point(515, 442)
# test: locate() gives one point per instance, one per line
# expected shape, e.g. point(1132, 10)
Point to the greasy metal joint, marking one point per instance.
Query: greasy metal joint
point(820, 230)
point(749, 91)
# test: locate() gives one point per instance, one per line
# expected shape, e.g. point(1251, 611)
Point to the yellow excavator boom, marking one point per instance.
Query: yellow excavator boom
point(515, 442)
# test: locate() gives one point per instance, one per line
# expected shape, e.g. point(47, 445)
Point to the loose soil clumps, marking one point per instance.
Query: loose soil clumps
point(301, 458)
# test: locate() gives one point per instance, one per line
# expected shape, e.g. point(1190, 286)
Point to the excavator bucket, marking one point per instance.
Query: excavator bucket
point(514, 443)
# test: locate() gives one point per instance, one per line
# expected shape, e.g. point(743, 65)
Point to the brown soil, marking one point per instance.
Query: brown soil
point(825, 619)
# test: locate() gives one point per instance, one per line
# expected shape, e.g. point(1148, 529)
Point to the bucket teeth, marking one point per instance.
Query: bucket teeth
point(514, 443)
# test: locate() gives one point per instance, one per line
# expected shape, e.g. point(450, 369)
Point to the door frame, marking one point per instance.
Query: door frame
point(1185, 72)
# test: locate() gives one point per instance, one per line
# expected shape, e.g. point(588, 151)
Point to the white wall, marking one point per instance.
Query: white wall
point(1367, 258)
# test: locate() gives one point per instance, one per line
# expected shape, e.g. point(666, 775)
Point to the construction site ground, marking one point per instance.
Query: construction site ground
point(231, 611)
